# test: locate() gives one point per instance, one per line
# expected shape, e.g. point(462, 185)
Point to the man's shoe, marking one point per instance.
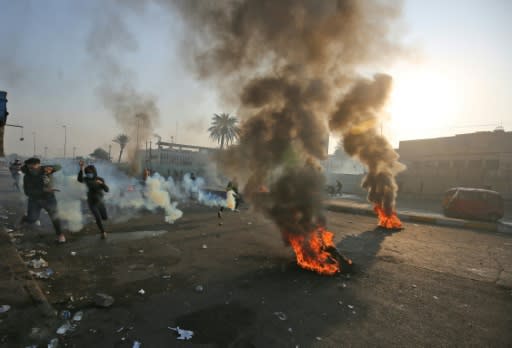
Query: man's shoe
point(61, 239)
point(103, 235)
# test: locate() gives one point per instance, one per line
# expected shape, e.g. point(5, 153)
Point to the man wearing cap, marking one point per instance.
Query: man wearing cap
point(37, 187)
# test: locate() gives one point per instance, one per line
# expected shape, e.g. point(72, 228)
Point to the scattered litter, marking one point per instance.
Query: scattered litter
point(204, 246)
point(64, 328)
point(141, 291)
point(103, 300)
point(182, 334)
point(350, 306)
point(414, 286)
point(54, 343)
point(47, 273)
point(141, 251)
point(343, 285)
point(340, 302)
point(120, 329)
point(5, 217)
point(65, 315)
point(290, 329)
point(435, 297)
point(249, 223)
point(29, 253)
point(37, 263)
point(280, 315)
point(353, 312)
point(318, 338)
point(73, 253)
point(136, 344)
point(4, 308)
point(199, 288)
point(9, 230)
point(78, 316)
point(167, 276)
point(93, 331)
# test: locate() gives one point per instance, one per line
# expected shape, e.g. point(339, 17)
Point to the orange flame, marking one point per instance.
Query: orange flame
point(313, 253)
point(387, 221)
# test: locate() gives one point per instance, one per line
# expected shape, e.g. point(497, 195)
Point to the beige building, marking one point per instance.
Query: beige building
point(480, 160)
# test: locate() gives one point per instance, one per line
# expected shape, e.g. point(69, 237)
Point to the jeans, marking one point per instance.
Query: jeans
point(100, 213)
point(34, 210)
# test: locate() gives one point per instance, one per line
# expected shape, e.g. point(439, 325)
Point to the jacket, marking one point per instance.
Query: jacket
point(94, 189)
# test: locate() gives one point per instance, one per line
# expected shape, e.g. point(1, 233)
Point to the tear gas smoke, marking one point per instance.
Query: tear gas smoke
point(288, 65)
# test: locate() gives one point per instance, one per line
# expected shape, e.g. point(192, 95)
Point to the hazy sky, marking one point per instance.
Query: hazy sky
point(458, 77)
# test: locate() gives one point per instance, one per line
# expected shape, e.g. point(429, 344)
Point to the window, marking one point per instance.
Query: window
point(443, 164)
point(492, 164)
point(459, 163)
point(475, 164)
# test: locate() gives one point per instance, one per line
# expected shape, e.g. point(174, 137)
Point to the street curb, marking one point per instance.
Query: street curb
point(425, 219)
point(22, 275)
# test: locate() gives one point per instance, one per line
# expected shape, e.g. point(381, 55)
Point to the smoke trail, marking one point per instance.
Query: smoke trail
point(136, 113)
point(126, 199)
point(287, 64)
point(356, 118)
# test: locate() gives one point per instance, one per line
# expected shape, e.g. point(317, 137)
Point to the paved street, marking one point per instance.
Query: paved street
point(423, 286)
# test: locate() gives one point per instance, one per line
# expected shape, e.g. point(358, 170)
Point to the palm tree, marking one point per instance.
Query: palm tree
point(122, 140)
point(224, 129)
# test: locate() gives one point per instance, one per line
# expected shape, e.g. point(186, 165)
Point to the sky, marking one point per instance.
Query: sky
point(456, 77)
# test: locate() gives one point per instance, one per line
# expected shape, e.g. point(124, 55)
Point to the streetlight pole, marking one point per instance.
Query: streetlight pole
point(34, 139)
point(65, 138)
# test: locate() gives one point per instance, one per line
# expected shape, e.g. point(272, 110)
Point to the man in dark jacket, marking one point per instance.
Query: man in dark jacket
point(95, 188)
point(37, 187)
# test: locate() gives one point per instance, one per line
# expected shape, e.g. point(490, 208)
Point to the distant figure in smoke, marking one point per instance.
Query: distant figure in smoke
point(339, 188)
point(15, 169)
point(96, 186)
point(41, 195)
point(231, 188)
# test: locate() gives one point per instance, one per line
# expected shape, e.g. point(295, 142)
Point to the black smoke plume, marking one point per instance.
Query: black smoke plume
point(287, 65)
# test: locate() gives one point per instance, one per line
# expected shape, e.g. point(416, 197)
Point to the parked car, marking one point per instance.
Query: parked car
point(472, 203)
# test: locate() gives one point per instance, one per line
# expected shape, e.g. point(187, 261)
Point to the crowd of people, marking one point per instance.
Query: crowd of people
point(38, 187)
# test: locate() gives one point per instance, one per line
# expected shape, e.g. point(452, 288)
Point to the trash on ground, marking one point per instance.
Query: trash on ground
point(182, 334)
point(4, 308)
point(166, 276)
point(136, 344)
point(54, 343)
point(73, 253)
point(204, 246)
point(414, 285)
point(78, 316)
point(350, 306)
point(280, 315)
point(141, 291)
point(103, 300)
point(290, 329)
point(64, 328)
point(47, 273)
point(249, 223)
point(65, 315)
point(340, 302)
point(37, 263)
point(435, 297)
point(199, 288)
point(318, 338)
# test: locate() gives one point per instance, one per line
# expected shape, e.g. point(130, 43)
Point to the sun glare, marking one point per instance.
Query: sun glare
point(423, 103)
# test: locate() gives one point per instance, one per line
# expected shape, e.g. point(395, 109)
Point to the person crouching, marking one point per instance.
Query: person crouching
point(95, 188)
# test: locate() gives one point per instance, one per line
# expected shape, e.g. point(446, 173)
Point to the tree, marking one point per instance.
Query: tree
point(122, 140)
point(224, 129)
point(100, 154)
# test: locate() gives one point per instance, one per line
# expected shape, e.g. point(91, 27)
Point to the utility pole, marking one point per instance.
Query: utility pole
point(65, 138)
point(34, 140)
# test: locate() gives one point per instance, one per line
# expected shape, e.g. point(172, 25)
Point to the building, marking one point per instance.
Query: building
point(480, 160)
point(170, 159)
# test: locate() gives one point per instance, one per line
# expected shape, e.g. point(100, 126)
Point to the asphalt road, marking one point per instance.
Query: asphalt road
point(423, 286)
